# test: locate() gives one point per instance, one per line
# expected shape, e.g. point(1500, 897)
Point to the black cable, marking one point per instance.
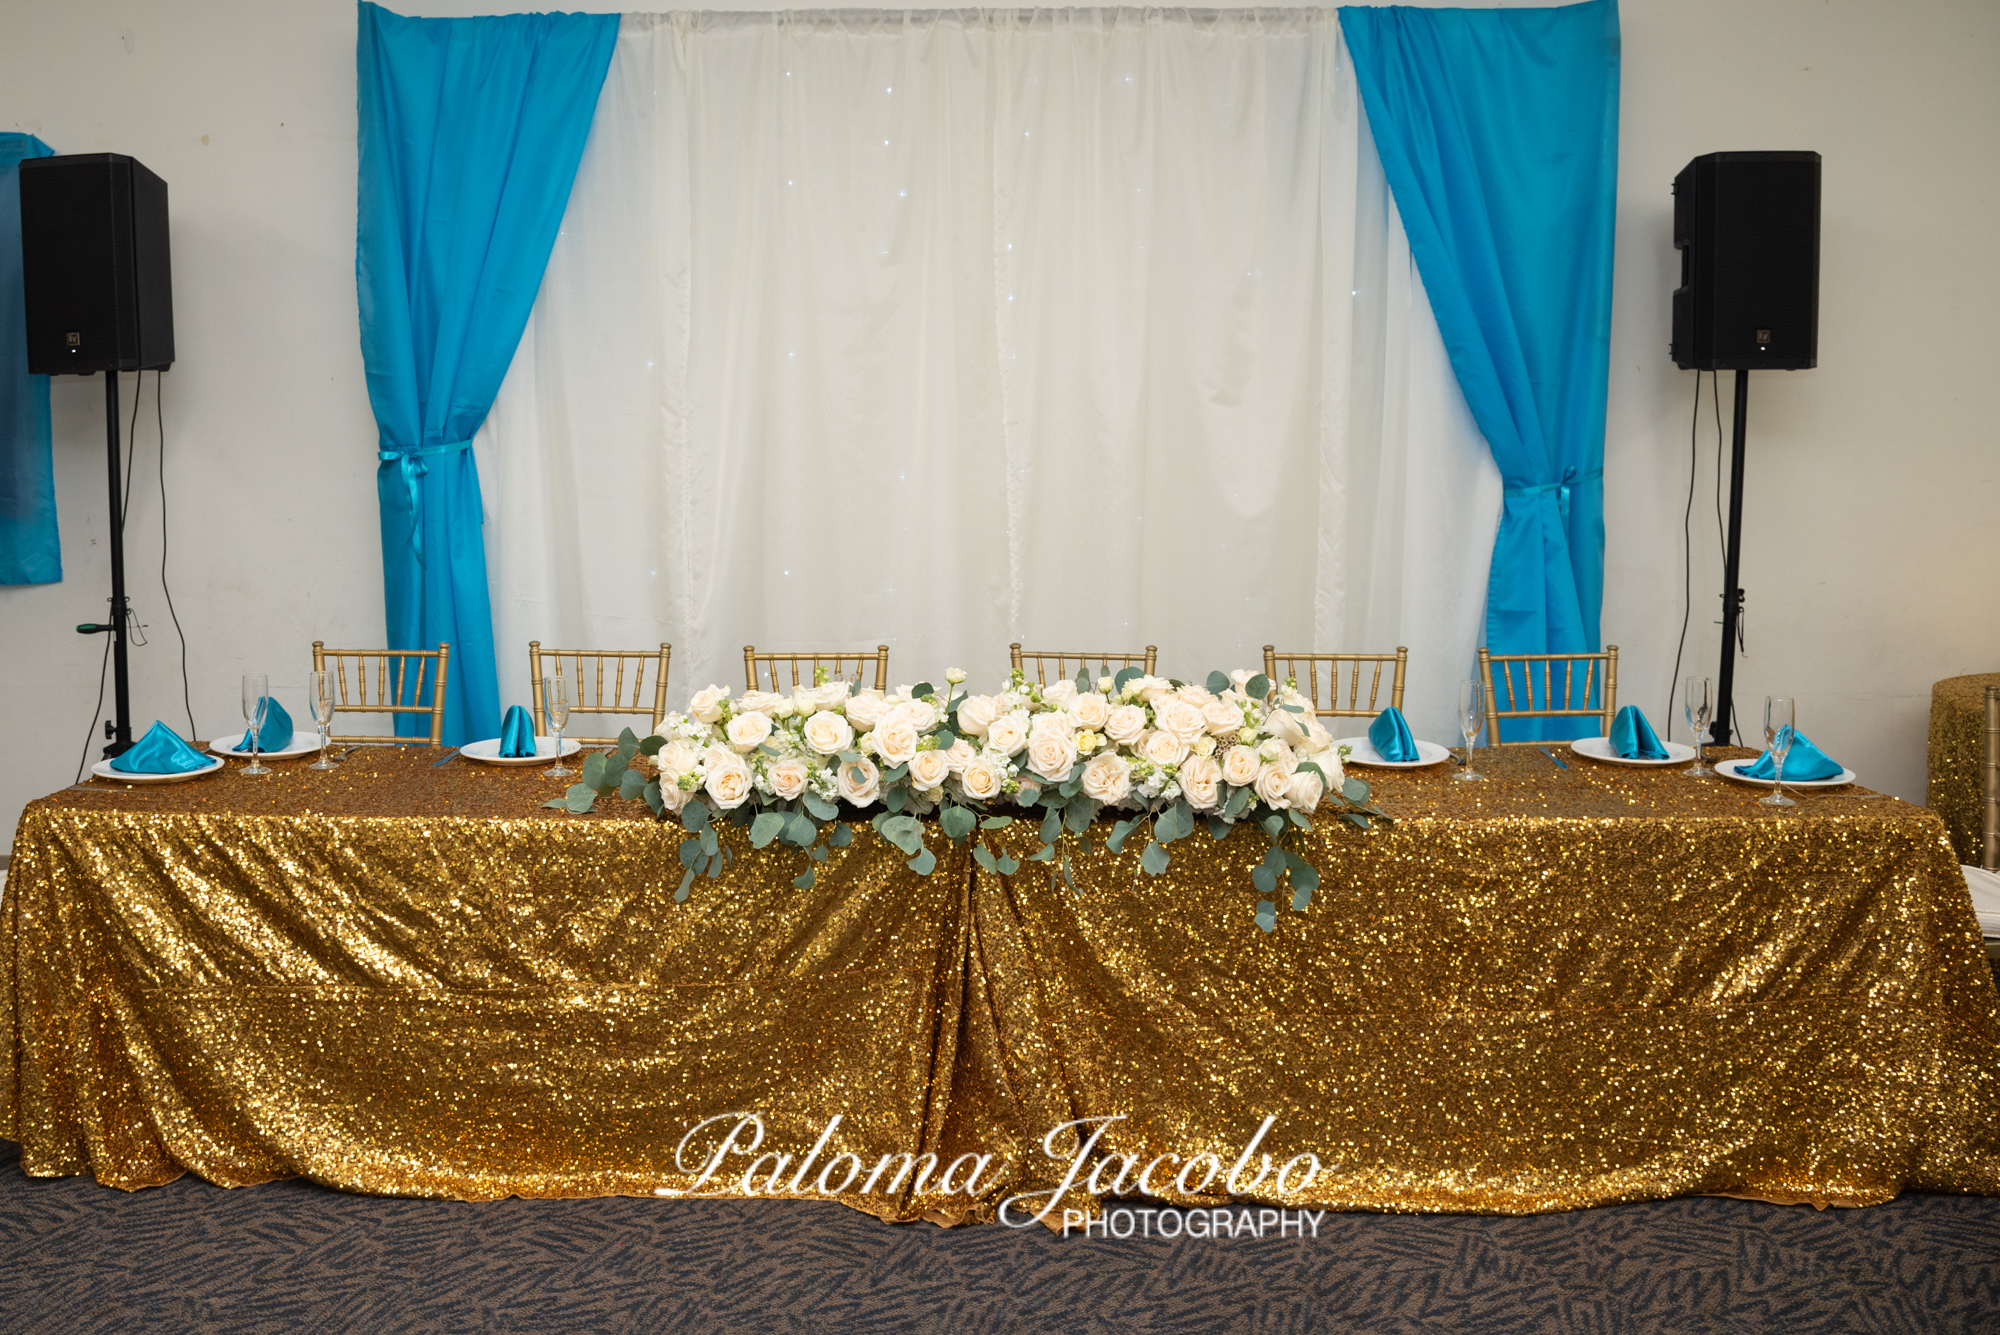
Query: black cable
point(131, 442)
point(1687, 554)
point(160, 419)
point(95, 714)
point(124, 508)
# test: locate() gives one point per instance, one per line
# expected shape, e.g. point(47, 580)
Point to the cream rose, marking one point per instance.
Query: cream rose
point(1201, 783)
point(929, 769)
point(1124, 724)
point(729, 785)
point(1198, 696)
point(1107, 779)
point(762, 702)
point(830, 694)
point(895, 740)
point(1239, 766)
point(859, 782)
point(1272, 782)
point(1089, 710)
point(866, 710)
point(1060, 694)
point(960, 756)
point(1303, 790)
point(747, 731)
point(1163, 748)
point(1317, 738)
point(1278, 753)
point(672, 796)
point(828, 733)
point(1181, 719)
point(1060, 722)
point(803, 703)
point(719, 756)
point(1152, 689)
point(1052, 755)
point(788, 777)
point(706, 707)
point(975, 714)
point(1007, 734)
point(982, 779)
point(676, 758)
point(1286, 725)
point(1221, 718)
point(921, 714)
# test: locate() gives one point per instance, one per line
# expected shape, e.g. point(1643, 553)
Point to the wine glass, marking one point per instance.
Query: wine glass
point(256, 708)
point(1779, 717)
point(1471, 718)
point(320, 689)
point(1698, 706)
point(555, 701)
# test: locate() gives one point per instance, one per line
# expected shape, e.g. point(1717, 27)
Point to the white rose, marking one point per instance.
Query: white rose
point(747, 731)
point(1181, 719)
point(1108, 778)
point(1060, 722)
point(895, 740)
point(707, 703)
point(865, 710)
point(954, 675)
point(1278, 753)
point(1204, 745)
point(929, 769)
point(762, 702)
point(1241, 677)
point(1124, 724)
point(673, 797)
point(675, 759)
point(1303, 790)
point(859, 782)
point(922, 714)
point(785, 708)
point(729, 785)
point(788, 777)
point(1272, 782)
point(1089, 710)
point(803, 703)
point(1317, 738)
point(960, 756)
point(1198, 696)
point(830, 694)
point(1287, 725)
point(1152, 689)
point(975, 714)
point(982, 779)
point(1052, 755)
point(1201, 783)
point(1163, 748)
point(1060, 694)
point(1007, 734)
point(1239, 766)
point(1221, 718)
point(719, 756)
point(828, 733)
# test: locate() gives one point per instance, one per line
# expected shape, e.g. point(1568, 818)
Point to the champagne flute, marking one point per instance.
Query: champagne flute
point(1779, 716)
point(1471, 718)
point(1698, 706)
point(256, 708)
point(319, 686)
point(555, 701)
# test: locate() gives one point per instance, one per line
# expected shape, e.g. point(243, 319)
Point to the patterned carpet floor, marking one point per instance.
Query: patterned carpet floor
point(76, 1257)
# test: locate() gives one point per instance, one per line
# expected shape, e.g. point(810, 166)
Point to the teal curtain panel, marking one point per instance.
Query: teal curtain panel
point(30, 548)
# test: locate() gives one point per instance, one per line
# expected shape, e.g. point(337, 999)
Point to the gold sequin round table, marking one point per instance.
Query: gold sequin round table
point(1555, 989)
point(1957, 789)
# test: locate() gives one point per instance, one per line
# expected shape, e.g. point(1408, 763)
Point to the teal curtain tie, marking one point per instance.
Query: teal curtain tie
point(1561, 489)
point(411, 462)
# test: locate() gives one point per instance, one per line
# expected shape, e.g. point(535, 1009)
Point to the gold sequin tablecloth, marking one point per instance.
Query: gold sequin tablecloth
point(1957, 760)
point(1557, 989)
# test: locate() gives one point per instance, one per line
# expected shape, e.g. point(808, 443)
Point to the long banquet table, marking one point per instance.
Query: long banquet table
point(1556, 989)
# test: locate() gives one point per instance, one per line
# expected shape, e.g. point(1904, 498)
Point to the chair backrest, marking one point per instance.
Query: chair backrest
point(1541, 699)
point(839, 660)
point(1989, 851)
point(1281, 667)
point(585, 675)
point(404, 694)
point(1108, 662)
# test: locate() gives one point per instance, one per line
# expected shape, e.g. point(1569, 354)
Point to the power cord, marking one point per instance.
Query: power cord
point(160, 419)
point(1687, 554)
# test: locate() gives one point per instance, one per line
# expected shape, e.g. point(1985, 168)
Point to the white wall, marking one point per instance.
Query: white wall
point(1864, 536)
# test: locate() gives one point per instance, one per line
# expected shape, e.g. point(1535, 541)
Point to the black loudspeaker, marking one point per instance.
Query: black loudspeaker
point(94, 263)
point(1747, 227)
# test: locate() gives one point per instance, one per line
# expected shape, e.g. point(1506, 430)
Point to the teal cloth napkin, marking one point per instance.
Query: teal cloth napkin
point(160, 751)
point(517, 733)
point(1633, 738)
point(1390, 735)
point(1804, 763)
point(277, 733)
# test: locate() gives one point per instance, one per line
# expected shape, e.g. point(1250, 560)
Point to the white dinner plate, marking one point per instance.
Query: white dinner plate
point(1599, 748)
point(304, 742)
point(488, 751)
point(102, 769)
point(1728, 770)
point(1428, 753)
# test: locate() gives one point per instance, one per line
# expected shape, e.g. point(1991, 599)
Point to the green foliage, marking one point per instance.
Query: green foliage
point(1154, 859)
point(580, 799)
point(1218, 682)
point(1257, 687)
point(996, 822)
point(1267, 915)
point(1076, 817)
point(905, 832)
point(1116, 841)
point(924, 862)
point(820, 807)
point(650, 746)
point(957, 822)
point(804, 881)
point(842, 836)
point(1124, 675)
point(767, 827)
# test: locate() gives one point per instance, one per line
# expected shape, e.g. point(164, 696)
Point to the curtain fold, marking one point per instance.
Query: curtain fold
point(1498, 133)
point(1085, 328)
point(470, 133)
point(30, 545)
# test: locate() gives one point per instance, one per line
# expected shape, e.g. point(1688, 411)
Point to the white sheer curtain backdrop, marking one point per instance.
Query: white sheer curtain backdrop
point(1086, 328)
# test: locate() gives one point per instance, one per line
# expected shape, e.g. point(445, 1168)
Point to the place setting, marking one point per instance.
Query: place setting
point(519, 745)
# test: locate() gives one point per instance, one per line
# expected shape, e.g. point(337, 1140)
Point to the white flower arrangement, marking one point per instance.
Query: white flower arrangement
point(1151, 753)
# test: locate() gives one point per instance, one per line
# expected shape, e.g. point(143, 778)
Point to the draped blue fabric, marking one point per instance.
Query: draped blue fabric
point(471, 131)
point(30, 549)
point(1498, 133)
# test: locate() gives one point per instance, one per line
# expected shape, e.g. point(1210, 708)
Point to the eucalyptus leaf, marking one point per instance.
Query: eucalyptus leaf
point(896, 775)
point(580, 799)
point(854, 687)
point(842, 836)
point(651, 792)
point(1275, 859)
point(905, 832)
point(1072, 785)
point(817, 853)
point(709, 844)
point(1303, 872)
point(1008, 866)
point(628, 744)
point(923, 690)
point(957, 822)
point(1298, 818)
point(1083, 681)
point(1257, 687)
point(800, 832)
point(1066, 876)
point(631, 784)
point(923, 863)
point(1218, 682)
point(562, 802)
point(946, 739)
point(984, 857)
point(1355, 791)
point(1302, 897)
point(1052, 827)
point(1050, 798)
point(1116, 842)
point(681, 894)
point(1079, 813)
point(1154, 859)
point(850, 757)
point(1264, 879)
point(1218, 828)
point(1312, 767)
point(694, 816)
point(1124, 675)
point(1267, 916)
point(1238, 800)
point(650, 746)
point(715, 867)
point(1274, 824)
point(1042, 854)
point(896, 799)
point(996, 822)
point(820, 807)
point(1356, 818)
point(804, 880)
point(767, 827)
point(593, 770)
point(692, 853)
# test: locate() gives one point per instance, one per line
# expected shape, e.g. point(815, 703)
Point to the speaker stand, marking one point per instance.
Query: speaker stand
point(1732, 594)
point(120, 732)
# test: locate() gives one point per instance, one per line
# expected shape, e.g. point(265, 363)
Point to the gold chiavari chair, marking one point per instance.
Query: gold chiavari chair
point(1989, 850)
point(1109, 662)
point(1600, 673)
point(390, 694)
point(838, 660)
point(1281, 667)
point(587, 696)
